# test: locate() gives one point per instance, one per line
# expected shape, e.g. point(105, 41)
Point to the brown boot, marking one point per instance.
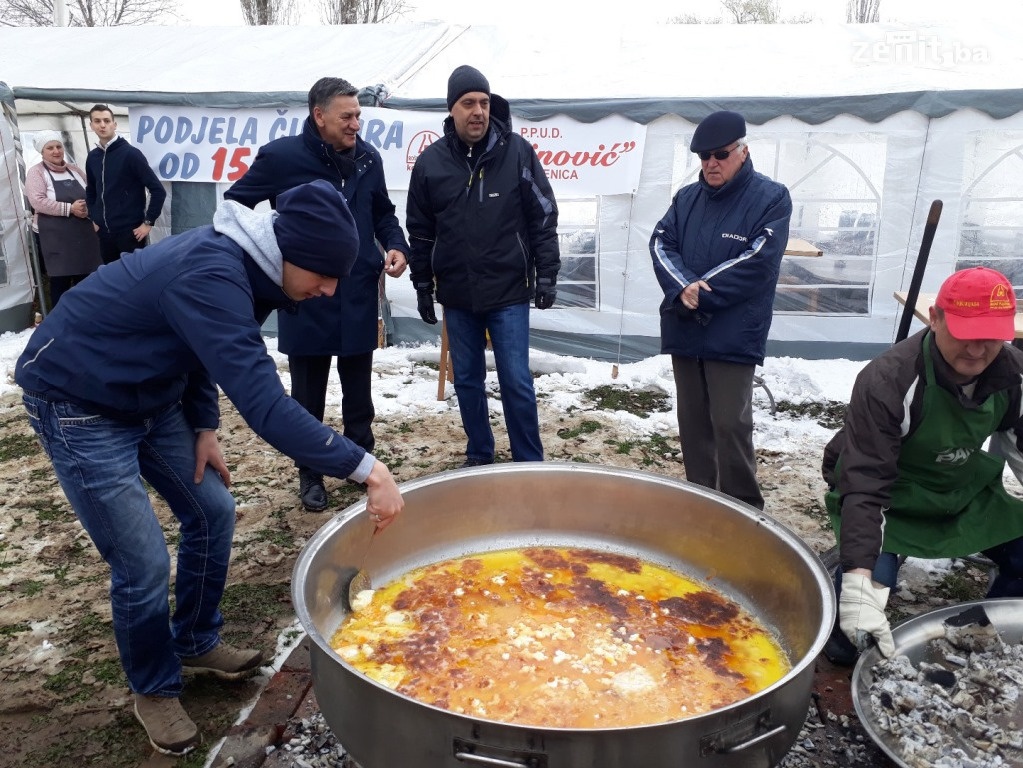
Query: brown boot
point(226, 662)
point(169, 728)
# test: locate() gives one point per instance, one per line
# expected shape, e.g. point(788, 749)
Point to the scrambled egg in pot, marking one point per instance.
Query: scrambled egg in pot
point(559, 637)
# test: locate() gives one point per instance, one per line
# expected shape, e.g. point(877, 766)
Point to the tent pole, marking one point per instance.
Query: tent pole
point(37, 270)
point(625, 283)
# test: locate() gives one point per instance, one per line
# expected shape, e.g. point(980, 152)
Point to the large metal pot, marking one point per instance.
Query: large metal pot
point(742, 552)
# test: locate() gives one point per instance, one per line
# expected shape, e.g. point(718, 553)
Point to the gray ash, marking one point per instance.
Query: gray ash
point(962, 709)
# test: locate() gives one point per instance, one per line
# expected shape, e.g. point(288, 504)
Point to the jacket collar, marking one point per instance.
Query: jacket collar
point(738, 181)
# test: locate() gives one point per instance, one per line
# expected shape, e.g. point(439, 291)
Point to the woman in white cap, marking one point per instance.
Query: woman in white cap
point(56, 190)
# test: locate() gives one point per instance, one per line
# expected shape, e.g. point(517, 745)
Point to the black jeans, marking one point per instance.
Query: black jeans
point(309, 375)
point(113, 244)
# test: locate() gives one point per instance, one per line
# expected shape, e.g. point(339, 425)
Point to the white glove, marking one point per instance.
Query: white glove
point(861, 613)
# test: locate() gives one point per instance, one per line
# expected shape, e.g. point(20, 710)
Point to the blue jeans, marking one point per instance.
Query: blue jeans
point(100, 463)
point(509, 334)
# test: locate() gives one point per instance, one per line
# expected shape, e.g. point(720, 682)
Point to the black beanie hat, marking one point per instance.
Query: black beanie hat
point(463, 80)
point(718, 129)
point(315, 230)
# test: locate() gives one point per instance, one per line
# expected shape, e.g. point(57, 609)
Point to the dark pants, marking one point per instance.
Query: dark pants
point(112, 245)
point(715, 424)
point(61, 285)
point(309, 375)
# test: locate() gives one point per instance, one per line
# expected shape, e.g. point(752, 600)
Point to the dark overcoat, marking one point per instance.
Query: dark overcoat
point(345, 323)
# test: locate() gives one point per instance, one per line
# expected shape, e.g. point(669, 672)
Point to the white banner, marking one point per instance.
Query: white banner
point(219, 145)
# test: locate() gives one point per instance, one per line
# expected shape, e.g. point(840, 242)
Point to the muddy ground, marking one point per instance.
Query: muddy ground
point(65, 700)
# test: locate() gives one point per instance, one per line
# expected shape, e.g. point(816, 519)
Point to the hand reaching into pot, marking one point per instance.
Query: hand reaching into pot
point(384, 501)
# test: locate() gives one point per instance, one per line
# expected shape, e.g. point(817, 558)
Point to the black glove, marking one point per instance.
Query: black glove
point(424, 303)
point(545, 293)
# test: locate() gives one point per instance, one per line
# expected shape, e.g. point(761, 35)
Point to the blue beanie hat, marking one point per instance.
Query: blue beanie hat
point(716, 130)
point(315, 230)
point(463, 80)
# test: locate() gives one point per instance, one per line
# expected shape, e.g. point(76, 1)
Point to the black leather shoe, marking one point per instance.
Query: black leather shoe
point(311, 490)
point(472, 462)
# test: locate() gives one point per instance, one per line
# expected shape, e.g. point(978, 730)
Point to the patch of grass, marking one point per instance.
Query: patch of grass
point(247, 602)
point(89, 627)
point(15, 447)
point(282, 537)
point(30, 588)
point(625, 447)
point(120, 742)
point(584, 428)
point(67, 682)
point(14, 629)
point(962, 584)
point(429, 364)
point(636, 402)
point(110, 672)
point(405, 428)
point(51, 513)
point(830, 415)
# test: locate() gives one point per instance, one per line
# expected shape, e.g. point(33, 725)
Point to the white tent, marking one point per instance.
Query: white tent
point(866, 125)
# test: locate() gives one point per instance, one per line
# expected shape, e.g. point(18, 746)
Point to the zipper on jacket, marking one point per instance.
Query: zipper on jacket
point(103, 188)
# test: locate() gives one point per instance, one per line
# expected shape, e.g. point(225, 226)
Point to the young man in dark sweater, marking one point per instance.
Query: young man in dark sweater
point(117, 177)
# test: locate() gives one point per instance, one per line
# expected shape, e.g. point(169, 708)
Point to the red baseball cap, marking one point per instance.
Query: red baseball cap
point(979, 304)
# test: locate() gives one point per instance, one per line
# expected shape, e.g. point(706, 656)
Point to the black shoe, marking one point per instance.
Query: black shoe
point(471, 462)
point(311, 490)
point(838, 650)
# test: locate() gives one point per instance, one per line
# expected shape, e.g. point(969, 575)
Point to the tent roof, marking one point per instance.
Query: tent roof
point(811, 71)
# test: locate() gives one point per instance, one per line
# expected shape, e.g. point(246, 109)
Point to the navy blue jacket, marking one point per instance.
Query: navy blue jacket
point(732, 237)
point(159, 327)
point(117, 178)
point(345, 323)
point(487, 230)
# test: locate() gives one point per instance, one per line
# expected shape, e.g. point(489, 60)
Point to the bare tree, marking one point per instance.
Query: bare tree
point(862, 11)
point(86, 13)
point(262, 13)
point(746, 12)
point(360, 11)
point(689, 18)
point(753, 11)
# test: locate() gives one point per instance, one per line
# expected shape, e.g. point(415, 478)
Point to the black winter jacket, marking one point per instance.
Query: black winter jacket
point(484, 228)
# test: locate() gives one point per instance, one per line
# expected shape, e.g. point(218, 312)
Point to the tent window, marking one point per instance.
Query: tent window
point(578, 225)
point(991, 230)
point(834, 180)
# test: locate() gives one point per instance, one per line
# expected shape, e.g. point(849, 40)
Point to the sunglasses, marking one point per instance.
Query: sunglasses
point(719, 154)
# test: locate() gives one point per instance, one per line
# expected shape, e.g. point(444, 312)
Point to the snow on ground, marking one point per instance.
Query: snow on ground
point(406, 386)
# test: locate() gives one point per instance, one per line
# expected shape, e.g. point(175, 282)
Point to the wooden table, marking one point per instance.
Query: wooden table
point(924, 301)
point(798, 247)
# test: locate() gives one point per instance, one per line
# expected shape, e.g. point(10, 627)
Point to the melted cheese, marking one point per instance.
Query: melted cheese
point(560, 637)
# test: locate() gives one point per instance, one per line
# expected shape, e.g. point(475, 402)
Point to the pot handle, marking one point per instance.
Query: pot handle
point(469, 757)
point(468, 752)
point(741, 735)
point(755, 740)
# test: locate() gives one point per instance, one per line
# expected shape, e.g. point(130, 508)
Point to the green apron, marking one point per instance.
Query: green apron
point(948, 500)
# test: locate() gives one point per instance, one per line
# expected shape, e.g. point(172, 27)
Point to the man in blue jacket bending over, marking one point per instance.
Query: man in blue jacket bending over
point(716, 254)
point(121, 384)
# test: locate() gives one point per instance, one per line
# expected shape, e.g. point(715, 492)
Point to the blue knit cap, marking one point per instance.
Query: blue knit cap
point(315, 230)
point(716, 130)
